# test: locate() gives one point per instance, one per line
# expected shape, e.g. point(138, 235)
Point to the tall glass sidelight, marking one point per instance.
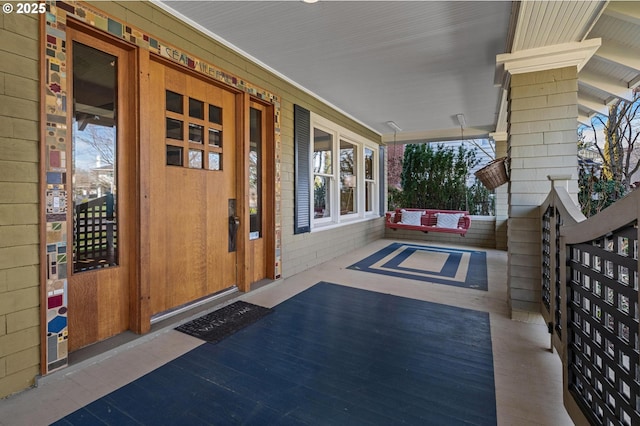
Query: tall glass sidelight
point(255, 174)
point(94, 180)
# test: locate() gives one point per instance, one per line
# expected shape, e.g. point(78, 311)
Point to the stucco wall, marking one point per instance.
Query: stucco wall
point(19, 135)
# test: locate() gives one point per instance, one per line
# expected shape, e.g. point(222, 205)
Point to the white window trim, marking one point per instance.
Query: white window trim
point(340, 133)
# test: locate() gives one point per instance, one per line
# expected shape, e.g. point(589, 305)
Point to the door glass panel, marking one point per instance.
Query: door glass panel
point(174, 102)
point(214, 161)
point(94, 159)
point(195, 133)
point(174, 155)
point(215, 114)
point(196, 160)
point(255, 174)
point(196, 109)
point(215, 137)
point(174, 129)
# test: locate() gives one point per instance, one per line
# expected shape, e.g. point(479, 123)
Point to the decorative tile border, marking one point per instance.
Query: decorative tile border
point(57, 136)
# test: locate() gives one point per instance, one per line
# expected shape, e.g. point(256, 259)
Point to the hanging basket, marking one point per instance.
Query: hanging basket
point(493, 174)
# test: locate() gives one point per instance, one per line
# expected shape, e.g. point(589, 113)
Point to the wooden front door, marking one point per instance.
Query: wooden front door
point(192, 187)
point(101, 200)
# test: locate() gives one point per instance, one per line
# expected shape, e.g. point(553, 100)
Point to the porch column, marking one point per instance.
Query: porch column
point(501, 194)
point(543, 121)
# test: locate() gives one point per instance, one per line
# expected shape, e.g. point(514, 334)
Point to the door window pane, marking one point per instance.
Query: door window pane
point(215, 137)
point(174, 155)
point(94, 159)
point(215, 161)
point(196, 160)
point(215, 114)
point(196, 109)
point(174, 129)
point(195, 133)
point(174, 102)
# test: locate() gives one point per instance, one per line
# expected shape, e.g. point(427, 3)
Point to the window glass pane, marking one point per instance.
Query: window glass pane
point(215, 137)
point(368, 163)
point(196, 159)
point(368, 196)
point(215, 114)
point(94, 161)
point(369, 179)
point(322, 152)
point(321, 197)
point(174, 155)
point(174, 129)
point(255, 173)
point(215, 161)
point(195, 133)
point(348, 181)
point(174, 101)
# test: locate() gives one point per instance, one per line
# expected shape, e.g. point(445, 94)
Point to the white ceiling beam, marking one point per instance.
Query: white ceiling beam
point(501, 122)
point(584, 119)
point(634, 83)
point(593, 104)
point(628, 11)
point(441, 135)
point(602, 83)
point(617, 53)
point(549, 57)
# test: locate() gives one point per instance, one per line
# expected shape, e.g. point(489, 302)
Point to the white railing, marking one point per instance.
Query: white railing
point(590, 302)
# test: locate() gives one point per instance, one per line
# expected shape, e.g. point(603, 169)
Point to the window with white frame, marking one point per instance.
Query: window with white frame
point(322, 164)
point(344, 174)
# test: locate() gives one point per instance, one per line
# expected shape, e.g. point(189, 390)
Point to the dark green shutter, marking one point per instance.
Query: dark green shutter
point(301, 183)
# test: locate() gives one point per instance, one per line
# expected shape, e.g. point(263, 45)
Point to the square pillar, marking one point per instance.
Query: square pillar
point(542, 123)
point(501, 194)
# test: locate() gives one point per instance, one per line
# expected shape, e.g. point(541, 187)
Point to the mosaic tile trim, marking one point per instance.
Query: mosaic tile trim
point(55, 196)
point(55, 145)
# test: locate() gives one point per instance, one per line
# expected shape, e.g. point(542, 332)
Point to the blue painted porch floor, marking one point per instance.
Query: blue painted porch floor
point(371, 382)
point(329, 355)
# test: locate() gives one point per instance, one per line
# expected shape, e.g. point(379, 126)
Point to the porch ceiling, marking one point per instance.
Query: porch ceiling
point(420, 63)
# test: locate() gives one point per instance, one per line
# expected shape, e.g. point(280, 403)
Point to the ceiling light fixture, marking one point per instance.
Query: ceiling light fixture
point(310, 1)
point(394, 126)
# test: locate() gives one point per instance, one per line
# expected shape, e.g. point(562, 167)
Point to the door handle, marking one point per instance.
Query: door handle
point(234, 224)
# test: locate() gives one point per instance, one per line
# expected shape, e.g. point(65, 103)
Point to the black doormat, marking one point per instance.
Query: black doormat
point(217, 325)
